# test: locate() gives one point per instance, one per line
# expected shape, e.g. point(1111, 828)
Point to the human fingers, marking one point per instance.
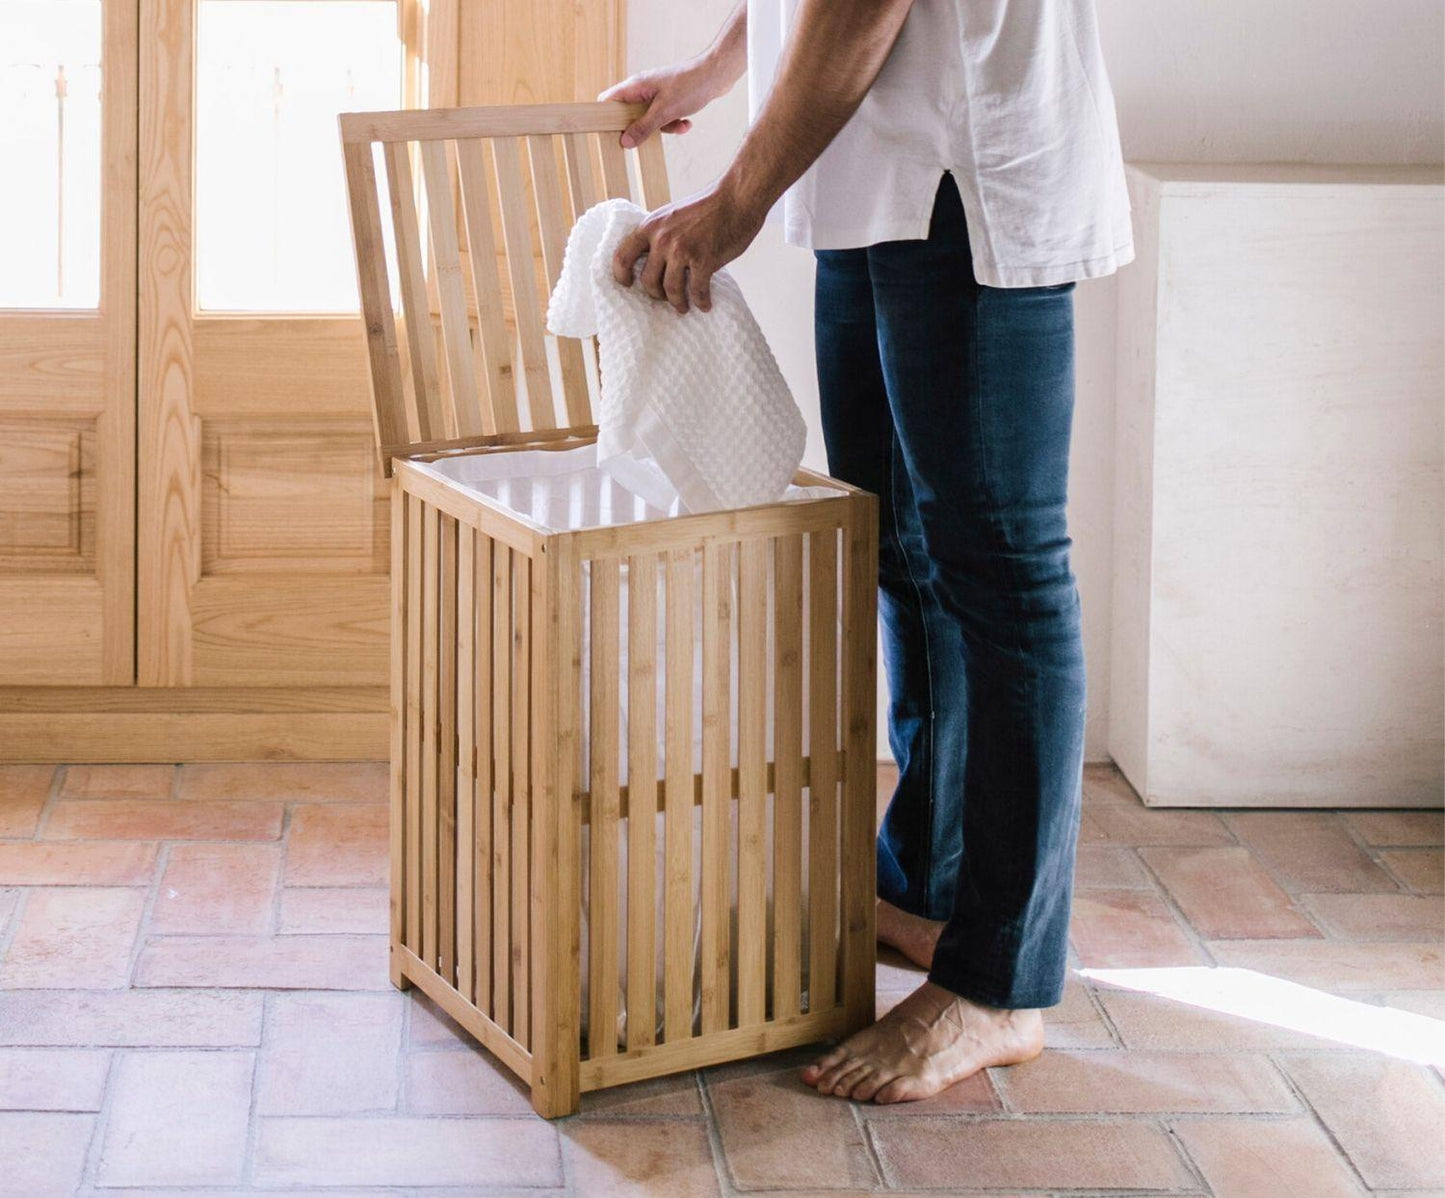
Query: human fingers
point(674, 283)
point(624, 261)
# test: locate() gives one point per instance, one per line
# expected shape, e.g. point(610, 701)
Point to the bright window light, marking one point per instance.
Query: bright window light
point(50, 145)
point(272, 233)
point(1246, 994)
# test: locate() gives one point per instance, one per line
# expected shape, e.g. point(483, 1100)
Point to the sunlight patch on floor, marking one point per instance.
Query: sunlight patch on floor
point(1248, 994)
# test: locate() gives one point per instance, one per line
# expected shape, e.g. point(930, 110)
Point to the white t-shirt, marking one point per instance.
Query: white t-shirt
point(1011, 96)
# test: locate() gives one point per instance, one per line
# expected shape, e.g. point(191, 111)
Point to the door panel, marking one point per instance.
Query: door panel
point(67, 396)
point(263, 537)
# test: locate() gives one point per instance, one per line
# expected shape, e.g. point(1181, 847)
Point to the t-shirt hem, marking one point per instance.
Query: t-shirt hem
point(1050, 274)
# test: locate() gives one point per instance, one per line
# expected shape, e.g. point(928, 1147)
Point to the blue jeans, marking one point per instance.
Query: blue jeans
point(953, 402)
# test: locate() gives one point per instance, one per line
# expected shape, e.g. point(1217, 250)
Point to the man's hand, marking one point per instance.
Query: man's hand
point(672, 94)
point(685, 244)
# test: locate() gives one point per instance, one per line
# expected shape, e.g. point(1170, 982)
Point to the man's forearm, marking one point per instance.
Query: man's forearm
point(728, 53)
point(834, 53)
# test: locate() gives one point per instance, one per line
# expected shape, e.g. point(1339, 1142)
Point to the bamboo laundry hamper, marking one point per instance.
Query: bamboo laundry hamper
point(709, 852)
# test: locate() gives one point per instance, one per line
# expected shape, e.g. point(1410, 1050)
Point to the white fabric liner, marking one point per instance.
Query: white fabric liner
point(563, 490)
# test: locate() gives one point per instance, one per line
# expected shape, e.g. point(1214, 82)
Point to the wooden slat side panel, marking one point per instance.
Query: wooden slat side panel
point(822, 768)
point(466, 758)
point(410, 258)
point(501, 785)
point(641, 822)
point(521, 797)
point(482, 721)
point(717, 587)
point(464, 415)
point(677, 899)
point(752, 781)
point(860, 593)
point(499, 412)
point(602, 840)
point(787, 776)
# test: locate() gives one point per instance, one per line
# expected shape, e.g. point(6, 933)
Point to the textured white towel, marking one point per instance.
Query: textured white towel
point(699, 394)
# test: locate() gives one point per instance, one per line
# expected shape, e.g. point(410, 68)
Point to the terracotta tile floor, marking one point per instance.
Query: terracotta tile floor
point(193, 998)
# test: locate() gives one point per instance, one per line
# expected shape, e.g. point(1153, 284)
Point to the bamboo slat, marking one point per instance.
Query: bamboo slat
point(641, 823)
point(526, 309)
point(521, 797)
point(787, 787)
point(388, 407)
point(752, 782)
point(501, 785)
point(717, 789)
point(552, 227)
point(500, 409)
point(465, 418)
point(466, 624)
point(614, 167)
point(677, 837)
point(431, 522)
point(427, 413)
point(581, 183)
point(396, 830)
point(482, 721)
point(602, 706)
point(823, 771)
point(447, 754)
point(652, 174)
point(414, 769)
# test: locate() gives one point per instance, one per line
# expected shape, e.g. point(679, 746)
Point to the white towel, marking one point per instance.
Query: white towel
point(699, 394)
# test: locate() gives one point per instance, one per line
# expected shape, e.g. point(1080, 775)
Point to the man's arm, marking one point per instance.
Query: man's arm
point(672, 94)
point(834, 53)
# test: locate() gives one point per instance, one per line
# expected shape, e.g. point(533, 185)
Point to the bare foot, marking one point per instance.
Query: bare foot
point(933, 1039)
point(912, 935)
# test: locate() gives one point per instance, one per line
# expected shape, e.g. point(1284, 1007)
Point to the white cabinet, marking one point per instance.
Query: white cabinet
point(1277, 609)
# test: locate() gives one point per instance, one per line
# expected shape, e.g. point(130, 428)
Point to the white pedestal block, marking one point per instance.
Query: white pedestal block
point(1278, 587)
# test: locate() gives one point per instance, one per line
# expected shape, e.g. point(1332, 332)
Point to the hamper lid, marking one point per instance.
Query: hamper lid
point(478, 203)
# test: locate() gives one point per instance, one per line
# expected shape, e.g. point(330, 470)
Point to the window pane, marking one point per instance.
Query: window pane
point(50, 145)
point(272, 232)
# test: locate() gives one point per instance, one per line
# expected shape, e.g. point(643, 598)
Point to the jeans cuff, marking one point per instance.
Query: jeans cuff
point(987, 992)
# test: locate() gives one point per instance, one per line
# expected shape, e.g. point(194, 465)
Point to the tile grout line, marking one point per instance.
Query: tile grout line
point(1303, 1099)
point(714, 1135)
point(253, 1118)
point(95, 1149)
point(52, 797)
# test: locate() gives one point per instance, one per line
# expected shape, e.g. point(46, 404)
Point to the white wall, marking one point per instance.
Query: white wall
point(1195, 80)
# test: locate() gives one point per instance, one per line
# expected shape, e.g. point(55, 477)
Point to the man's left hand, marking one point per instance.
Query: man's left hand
point(685, 244)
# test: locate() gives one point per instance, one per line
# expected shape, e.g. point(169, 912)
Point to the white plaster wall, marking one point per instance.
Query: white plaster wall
point(1195, 80)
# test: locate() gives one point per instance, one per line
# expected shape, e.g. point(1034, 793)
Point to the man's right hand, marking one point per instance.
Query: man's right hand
point(672, 94)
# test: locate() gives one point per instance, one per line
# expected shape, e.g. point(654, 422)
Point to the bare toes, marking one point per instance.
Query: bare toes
point(843, 1087)
point(870, 1085)
point(813, 1073)
point(826, 1077)
point(903, 1089)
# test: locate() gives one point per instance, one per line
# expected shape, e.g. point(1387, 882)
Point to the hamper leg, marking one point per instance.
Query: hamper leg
point(556, 874)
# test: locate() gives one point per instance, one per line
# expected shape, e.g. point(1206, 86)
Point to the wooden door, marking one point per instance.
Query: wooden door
point(67, 328)
point(262, 533)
